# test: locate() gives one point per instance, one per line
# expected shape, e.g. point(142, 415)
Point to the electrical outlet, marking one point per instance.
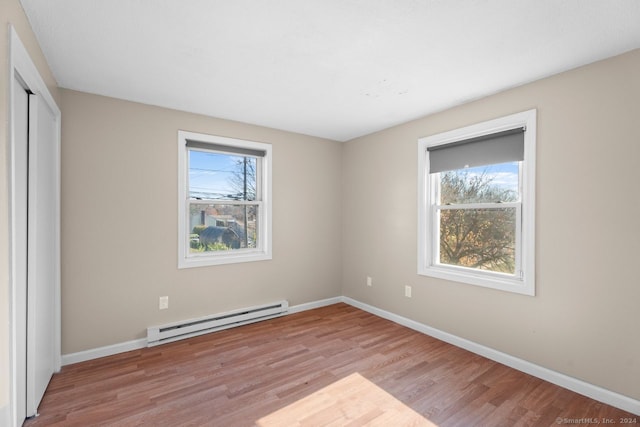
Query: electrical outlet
point(407, 291)
point(369, 281)
point(163, 303)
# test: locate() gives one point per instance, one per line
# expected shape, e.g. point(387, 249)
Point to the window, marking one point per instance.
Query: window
point(224, 207)
point(477, 204)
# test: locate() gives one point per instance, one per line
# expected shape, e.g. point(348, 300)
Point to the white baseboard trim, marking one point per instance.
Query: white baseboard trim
point(598, 393)
point(109, 350)
point(314, 304)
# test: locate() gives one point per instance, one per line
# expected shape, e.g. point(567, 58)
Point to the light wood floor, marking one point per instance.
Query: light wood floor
point(335, 365)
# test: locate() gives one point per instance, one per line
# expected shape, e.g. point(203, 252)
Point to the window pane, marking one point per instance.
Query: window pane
point(222, 227)
point(215, 176)
point(483, 184)
point(483, 239)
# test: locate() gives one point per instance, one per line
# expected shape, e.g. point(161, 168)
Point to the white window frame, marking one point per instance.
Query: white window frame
point(523, 282)
point(263, 200)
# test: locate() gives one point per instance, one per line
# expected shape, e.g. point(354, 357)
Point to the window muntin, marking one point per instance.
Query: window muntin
point(502, 153)
point(225, 210)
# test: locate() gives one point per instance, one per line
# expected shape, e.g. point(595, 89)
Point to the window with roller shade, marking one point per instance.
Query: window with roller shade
point(224, 200)
point(476, 210)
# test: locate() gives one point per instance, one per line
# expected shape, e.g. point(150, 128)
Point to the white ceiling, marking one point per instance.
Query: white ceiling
point(337, 69)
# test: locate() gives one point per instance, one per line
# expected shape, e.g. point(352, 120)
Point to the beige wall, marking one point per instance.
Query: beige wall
point(584, 320)
point(119, 222)
point(11, 13)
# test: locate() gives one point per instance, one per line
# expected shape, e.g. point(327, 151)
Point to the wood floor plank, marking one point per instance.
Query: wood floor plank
point(335, 365)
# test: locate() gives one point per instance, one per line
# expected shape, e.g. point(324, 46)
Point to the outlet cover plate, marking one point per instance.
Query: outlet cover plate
point(163, 303)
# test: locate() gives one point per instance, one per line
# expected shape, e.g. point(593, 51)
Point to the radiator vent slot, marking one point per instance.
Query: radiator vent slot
point(190, 328)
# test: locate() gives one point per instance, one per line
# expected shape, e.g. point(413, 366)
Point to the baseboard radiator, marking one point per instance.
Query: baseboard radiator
point(190, 328)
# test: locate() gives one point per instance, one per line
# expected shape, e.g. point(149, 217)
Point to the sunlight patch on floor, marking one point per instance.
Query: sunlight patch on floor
point(353, 401)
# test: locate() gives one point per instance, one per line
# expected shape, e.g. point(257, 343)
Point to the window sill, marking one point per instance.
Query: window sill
point(221, 259)
point(484, 279)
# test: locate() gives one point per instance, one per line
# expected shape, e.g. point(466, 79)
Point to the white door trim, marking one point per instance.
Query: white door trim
point(22, 67)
